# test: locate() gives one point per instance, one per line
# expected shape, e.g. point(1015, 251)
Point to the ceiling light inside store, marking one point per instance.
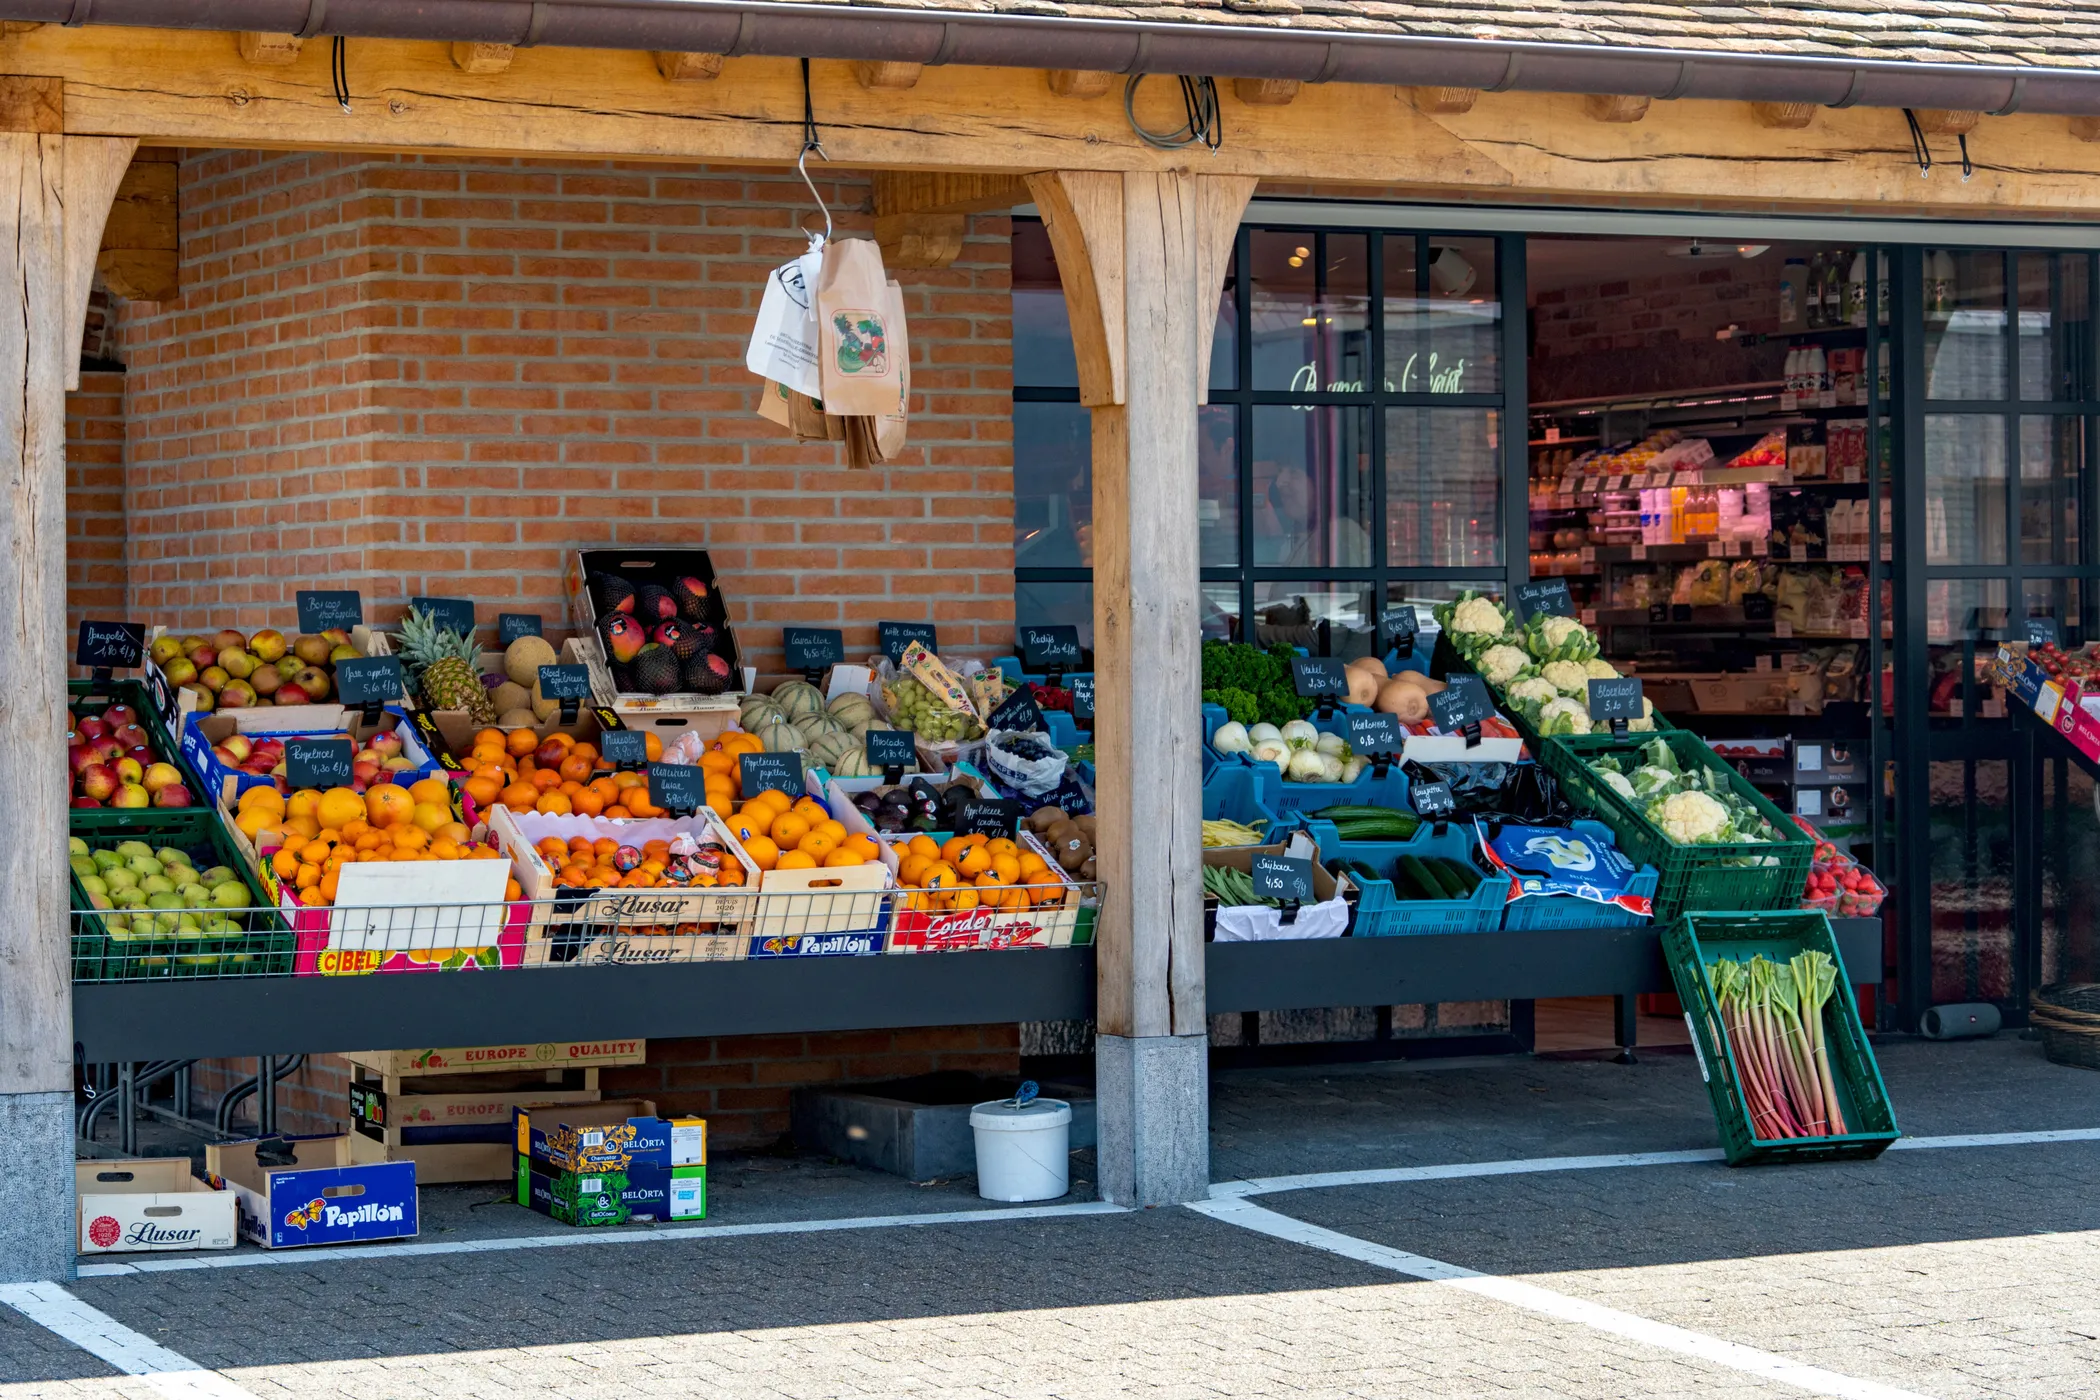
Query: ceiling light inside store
point(1297, 262)
point(1697, 249)
point(1301, 252)
point(1310, 321)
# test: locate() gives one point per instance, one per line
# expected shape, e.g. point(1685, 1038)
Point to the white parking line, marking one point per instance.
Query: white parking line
point(101, 1336)
point(1532, 1298)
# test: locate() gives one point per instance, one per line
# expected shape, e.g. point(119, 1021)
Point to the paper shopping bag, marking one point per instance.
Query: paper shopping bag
point(890, 428)
point(784, 341)
point(858, 357)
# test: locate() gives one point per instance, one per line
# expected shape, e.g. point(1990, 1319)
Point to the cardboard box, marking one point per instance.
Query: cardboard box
point(408, 916)
point(1823, 764)
point(448, 735)
point(669, 715)
point(486, 1059)
point(450, 1137)
point(138, 1204)
point(586, 915)
point(615, 1197)
point(943, 931)
point(223, 785)
point(322, 1196)
point(611, 1136)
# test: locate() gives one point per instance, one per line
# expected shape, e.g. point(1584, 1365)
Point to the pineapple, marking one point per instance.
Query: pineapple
point(440, 665)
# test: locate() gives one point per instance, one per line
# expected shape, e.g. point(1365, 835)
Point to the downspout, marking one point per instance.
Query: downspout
point(782, 28)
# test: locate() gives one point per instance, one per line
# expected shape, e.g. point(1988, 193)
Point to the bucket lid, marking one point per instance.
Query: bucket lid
point(1001, 1116)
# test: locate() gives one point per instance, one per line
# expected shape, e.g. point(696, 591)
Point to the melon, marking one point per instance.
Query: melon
point(780, 737)
point(851, 709)
point(831, 749)
point(798, 699)
point(852, 764)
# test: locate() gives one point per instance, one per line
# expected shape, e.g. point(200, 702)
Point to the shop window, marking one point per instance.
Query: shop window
point(1312, 487)
point(2057, 598)
point(1221, 613)
point(1964, 621)
point(1964, 488)
point(1218, 485)
point(2052, 461)
point(1443, 487)
point(1331, 618)
point(2069, 923)
point(2056, 328)
point(1311, 312)
point(1969, 826)
point(1051, 603)
point(1053, 486)
point(1443, 316)
point(1043, 355)
point(1965, 316)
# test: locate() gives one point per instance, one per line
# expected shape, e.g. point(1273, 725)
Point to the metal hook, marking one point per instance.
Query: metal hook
point(802, 169)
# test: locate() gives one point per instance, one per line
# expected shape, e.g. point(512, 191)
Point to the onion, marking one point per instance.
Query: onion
point(1264, 731)
point(1231, 738)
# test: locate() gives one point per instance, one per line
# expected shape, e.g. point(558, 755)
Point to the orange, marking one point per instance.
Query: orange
point(738, 741)
point(308, 876)
point(764, 854)
point(484, 737)
point(285, 863)
point(617, 812)
point(964, 898)
point(987, 880)
point(436, 791)
point(940, 876)
point(923, 845)
point(716, 761)
point(810, 810)
point(299, 827)
point(608, 791)
point(836, 830)
point(584, 750)
point(797, 860)
point(576, 769)
point(572, 875)
point(483, 790)
point(546, 779)
point(817, 844)
point(519, 797)
point(652, 746)
point(513, 890)
point(639, 804)
point(842, 856)
point(445, 849)
point(911, 868)
point(973, 862)
point(305, 802)
point(498, 773)
point(1007, 869)
point(455, 832)
point(588, 804)
point(387, 805)
point(408, 838)
point(521, 742)
point(261, 796)
point(256, 820)
point(339, 805)
point(789, 829)
point(730, 874)
point(1032, 864)
point(430, 817)
point(554, 804)
point(952, 849)
point(624, 781)
point(604, 849)
point(567, 741)
point(747, 830)
point(862, 845)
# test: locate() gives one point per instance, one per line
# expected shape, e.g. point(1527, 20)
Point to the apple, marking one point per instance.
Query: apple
point(143, 754)
point(132, 795)
point(237, 663)
point(91, 728)
point(117, 716)
point(214, 679)
point(173, 795)
point(335, 636)
point(131, 736)
point(191, 641)
point(399, 763)
point(165, 648)
point(312, 650)
point(227, 639)
point(181, 671)
point(272, 749)
point(314, 681)
point(78, 756)
point(107, 749)
point(289, 666)
point(290, 693)
point(343, 651)
point(130, 770)
point(201, 699)
point(160, 775)
point(239, 745)
point(225, 755)
point(385, 744)
point(204, 656)
point(265, 681)
point(236, 695)
point(85, 802)
point(364, 770)
point(99, 780)
point(268, 644)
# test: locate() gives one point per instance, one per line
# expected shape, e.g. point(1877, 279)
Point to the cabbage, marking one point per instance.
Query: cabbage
point(1563, 716)
point(1568, 677)
point(1231, 738)
point(1598, 669)
point(1531, 692)
point(1550, 637)
point(1503, 664)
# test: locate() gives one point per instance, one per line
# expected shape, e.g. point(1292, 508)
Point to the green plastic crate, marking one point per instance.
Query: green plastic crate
point(1695, 941)
point(1691, 878)
point(134, 694)
point(263, 949)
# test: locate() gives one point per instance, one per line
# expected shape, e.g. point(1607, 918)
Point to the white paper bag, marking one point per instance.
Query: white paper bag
point(784, 342)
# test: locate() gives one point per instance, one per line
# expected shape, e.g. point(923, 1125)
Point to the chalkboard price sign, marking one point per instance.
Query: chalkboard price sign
point(1401, 625)
point(1432, 801)
point(989, 816)
point(1050, 648)
point(1545, 596)
point(682, 787)
point(321, 609)
point(892, 751)
point(896, 636)
point(511, 626)
point(369, 681)
point(1287, 878)
point(2041, 631)
point(450, 614)
point(317, 763)
point(763, 771)
point(1369, 734)
point(1017, 711)
point(624, 746)
point(812, 649)
point(1083, 698)
point(565, 682)
point(1618, 698)
point(110, 646)
point(1459, 705)
point(1318, 676)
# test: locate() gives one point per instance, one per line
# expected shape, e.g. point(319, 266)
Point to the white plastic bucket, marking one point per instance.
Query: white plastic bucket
point(1023, 1153)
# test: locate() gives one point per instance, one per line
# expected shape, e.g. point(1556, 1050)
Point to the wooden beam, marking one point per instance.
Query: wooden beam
point(2085, 128)
point(1436, 101)
point(920, 240)
point(270, 50)
point(1082, 212)
point(679, 67)
point(1080, 82)
point(141, 257)
point(1265, 92)
point(33, 104)
point(884, 76)
point(95, 167)
point(1941, 121)
point(1783, 116)
point(946, 192)
point(1614, 108)
point(481, 59)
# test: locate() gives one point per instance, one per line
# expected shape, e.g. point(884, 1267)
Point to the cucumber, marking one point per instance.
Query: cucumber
point(1457, 877)
point(1372, 823)
point(1421, 879)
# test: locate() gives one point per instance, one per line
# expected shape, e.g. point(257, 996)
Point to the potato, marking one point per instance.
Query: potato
point(1368, 663)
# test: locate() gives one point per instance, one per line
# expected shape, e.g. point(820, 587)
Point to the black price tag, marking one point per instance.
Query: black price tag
point(2041, 631)
point(812, 648)
point(450, 614)
point(1401, 625)
point(1544, 596)
point(1618, 698)
point(110, 646)
point(1017, 711)
point(1432, 801)
point(896, 636)
point(322, 609)
point(989, 816)
point(370, 681)
point(1757, 607)
point(1369, 734)
point(892, 751)
point(1459, 704)
point(682, 787)
point(624, 746)
point(570, 685)
point(764, 771)
point(511, 626)
point(1083, 698)
point(1287, 878)
point(1319, 676)
point(317, 763)
point(1050, 648)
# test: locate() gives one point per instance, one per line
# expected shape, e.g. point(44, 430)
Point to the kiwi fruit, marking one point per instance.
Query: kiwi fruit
point(1043, 818)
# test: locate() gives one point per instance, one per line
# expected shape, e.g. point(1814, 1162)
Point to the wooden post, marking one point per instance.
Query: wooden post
point(55, 192)
point(1143, 257)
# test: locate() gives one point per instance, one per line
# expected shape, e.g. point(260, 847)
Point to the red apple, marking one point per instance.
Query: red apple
point(203, 657)
point(229, 640)
point(314, 681)
point(181, 671)
point(201, 700)
point(99, 780)
point(132, 795)
point(213, 679)
point(290, 693)
point(239, 745)
point(236, 694)
point(385, 743)
point(85, 802)
point(78, 756)
point(173, 795)
point(131, 736)
point(268, 644)
point(130, 770)
point(117, 716)
point(107, 749)
point(92, 727)
point(165, 648)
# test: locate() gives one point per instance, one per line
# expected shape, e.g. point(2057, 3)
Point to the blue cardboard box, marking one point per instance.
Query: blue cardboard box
point(818, 945)
point(201, 730)
point(298, 1191)
point(608, 1137)
point(614, 1198)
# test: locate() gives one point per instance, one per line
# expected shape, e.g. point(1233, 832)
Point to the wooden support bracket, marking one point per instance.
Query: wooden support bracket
point(2086, 128)
point(1783, 116)
point(1080, 82)
point(921, 216)
point(679, 67)
point(270, 50)
point(920, 240)
point(896, 77)
point(140, 258)
point(1265, 92)
point(1941, 121)
point(481, 58)
point(1442, 101)
point(1607, 107)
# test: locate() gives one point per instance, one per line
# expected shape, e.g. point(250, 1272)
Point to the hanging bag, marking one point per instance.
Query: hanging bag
point(858, 359)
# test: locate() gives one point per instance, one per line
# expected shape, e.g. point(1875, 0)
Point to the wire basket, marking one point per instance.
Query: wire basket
point(114, 941)
point(2068, 1016)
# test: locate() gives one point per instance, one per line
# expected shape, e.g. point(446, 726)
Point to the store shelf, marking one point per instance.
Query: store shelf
point(258, 1016)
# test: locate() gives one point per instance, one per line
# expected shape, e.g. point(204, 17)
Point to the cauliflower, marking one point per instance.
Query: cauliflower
point(1551, 637)
point(1568, 677)
point(1617, 783)
point(1503, 664)
point(1690, 818)
point(1479, 617)
point(1563, 716)
point(1598, 669)
point(1646, 723)
point(1531, 691)
point(1649, 780)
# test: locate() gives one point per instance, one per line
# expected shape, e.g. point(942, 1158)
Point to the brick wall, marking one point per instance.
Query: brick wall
point(438, 376)
point(95, 573)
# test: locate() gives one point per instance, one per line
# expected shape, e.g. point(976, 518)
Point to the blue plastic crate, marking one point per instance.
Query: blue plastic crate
point(1233, 793)
point(1368, 790)
point(1566, 911)
point(1063, 730)
point(1010, 666)
point(1381, 913)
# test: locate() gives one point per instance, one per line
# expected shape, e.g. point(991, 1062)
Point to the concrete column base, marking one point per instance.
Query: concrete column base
point(36, 1188)
point(1152, 1098)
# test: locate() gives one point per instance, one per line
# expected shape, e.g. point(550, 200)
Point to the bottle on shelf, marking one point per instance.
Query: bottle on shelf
point(1856, 290)
point(1678, 498)
point(1816, 373)
point(1881, 289)
point(1792, 292)
point(1812, 311)
point(1792, 372)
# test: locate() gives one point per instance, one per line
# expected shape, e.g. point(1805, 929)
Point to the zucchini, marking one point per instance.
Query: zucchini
point(1422, 880)
point(1372, 823)
point(1457, 877)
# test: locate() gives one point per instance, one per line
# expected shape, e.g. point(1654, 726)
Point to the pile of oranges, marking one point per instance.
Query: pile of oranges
point(725, 776)
point(783, 833)
point(557, 775)
point(976, 872)
point(582, 862)
point(317, 833)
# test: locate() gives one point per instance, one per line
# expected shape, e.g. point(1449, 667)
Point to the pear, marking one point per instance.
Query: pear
point(94, 884)
point(119, 877)
point(217, 876)
point(156, 886)
point(163, 899)
point(83, 867)
point(230, 894)
point(193, 895)
point(75, 846)
point(143, 866)
point(105, 860)
point(168, 855)
point(128, 849)
point(133, 898)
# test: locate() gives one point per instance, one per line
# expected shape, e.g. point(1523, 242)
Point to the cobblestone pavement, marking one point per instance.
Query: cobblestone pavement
point(1950, 1273)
